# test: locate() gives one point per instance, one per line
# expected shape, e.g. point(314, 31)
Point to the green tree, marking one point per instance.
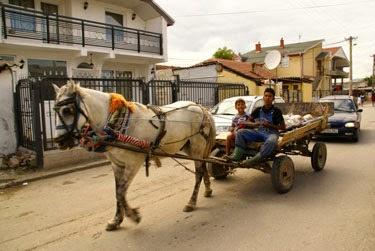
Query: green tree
point(224, 53)
point(370, 81)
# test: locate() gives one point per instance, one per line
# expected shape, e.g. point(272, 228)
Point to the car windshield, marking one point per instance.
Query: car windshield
point(227, 107)
point(343, 105)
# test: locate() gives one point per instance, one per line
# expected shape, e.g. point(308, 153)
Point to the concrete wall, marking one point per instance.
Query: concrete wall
point(8, 141)
point(203, 73)
point(306, 92)
point(293, 69)
point(228, 76)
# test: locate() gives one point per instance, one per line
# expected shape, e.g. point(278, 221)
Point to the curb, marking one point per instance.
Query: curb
point(19, 182)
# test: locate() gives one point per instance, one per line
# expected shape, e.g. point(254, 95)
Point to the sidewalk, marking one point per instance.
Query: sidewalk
point(10, 178)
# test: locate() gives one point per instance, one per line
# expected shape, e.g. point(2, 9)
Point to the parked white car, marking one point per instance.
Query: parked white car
point(225, 111)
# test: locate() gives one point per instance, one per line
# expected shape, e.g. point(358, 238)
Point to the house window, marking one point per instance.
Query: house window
point(50, 9)
point(116, 20)
point(7, 58)
point(22, 22)
point(23, 3)
point(42, 68)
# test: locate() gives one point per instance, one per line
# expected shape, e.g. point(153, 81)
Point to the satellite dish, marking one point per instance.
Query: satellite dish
point(272, 59)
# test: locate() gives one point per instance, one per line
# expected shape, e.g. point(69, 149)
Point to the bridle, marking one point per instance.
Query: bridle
point(72, 130)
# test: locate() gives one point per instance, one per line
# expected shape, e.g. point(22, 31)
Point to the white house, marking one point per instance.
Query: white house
point(77, 38)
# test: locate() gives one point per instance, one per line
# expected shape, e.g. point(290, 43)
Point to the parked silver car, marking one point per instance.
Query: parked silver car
point(225, 111)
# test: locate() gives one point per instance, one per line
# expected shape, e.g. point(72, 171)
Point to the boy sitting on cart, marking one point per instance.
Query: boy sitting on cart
point(265, 123)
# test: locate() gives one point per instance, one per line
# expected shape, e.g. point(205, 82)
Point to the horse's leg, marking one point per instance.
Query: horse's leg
point(120, 188)
point(123, 178)
point(198, 179)
point(206, 179)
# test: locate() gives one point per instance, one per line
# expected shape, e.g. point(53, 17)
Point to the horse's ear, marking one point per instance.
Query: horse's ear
point(57, 89)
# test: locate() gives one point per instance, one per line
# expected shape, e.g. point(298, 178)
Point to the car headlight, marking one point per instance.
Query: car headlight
point(220, 129)
point(350, 124)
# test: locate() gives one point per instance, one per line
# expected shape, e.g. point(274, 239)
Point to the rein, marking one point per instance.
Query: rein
point(72, 129)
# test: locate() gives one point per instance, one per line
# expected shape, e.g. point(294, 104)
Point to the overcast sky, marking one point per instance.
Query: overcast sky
point(202, 26)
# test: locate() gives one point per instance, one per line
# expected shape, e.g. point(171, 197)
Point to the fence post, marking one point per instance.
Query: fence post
point(35, 99)
point(113, 37)
point(161, 44)
point(4, 21)
point(145, 91)
point(175, 87)
point(17, 110)
point(47, 24)
point(139, 41)
point(216, 94)
point(83, 33)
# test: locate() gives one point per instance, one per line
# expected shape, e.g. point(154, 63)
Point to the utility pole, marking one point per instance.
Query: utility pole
point(373, 73)
point(350, 39)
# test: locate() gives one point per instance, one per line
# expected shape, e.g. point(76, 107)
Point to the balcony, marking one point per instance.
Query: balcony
point(61, 30)
point(338, 74)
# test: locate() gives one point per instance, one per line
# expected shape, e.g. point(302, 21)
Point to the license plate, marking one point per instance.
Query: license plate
point(330, 130)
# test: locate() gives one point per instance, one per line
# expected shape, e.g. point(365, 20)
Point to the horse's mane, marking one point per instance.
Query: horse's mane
point(70, 88)
point(117, 101)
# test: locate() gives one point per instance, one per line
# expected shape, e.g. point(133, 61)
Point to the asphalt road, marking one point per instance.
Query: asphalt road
point(330, 210)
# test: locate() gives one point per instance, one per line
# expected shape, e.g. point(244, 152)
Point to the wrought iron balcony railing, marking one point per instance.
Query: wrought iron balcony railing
point(57, 29)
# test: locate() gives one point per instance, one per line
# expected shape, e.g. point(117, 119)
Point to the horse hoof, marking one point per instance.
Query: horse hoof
point(135, 216)
point(208, 193)
point(111, 226)
point(188, 208)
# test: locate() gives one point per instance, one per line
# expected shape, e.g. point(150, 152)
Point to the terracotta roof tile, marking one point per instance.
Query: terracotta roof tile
point(252, 71)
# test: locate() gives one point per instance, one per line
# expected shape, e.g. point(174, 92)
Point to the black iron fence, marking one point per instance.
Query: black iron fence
point(57, 29)
point(35, 100)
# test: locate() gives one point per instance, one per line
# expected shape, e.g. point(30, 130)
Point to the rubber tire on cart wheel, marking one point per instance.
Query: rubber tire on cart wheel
point(319, 156)
point(217, 171)
point(282, 174)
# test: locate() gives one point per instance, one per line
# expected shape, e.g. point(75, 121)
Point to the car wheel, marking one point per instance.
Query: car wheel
point(355, 135)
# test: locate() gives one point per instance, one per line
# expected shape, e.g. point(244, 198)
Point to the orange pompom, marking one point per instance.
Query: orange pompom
point(118, 101)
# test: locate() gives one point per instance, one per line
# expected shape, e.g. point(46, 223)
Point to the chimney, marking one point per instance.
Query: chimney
point(258, 47)
point(282, 43)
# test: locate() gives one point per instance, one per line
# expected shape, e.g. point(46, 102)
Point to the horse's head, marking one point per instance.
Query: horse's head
point(71, 114)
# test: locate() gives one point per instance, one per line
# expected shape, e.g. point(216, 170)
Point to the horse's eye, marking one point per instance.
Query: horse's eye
point(66, 111)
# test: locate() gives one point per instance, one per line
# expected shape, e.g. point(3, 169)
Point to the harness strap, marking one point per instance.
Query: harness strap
point(161, 116)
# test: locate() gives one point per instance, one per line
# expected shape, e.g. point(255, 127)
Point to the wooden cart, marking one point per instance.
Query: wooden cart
point(294, 141)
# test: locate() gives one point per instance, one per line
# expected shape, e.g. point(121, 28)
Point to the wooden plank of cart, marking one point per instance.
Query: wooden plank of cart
point(294, 141)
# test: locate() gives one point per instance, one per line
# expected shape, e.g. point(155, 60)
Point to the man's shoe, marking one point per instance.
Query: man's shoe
point(252, 161)
point(237, 155)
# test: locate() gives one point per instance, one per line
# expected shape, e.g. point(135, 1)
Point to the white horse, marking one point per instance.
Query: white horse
point(188, 128)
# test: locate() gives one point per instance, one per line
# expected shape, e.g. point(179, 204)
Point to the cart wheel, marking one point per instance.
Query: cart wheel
point(282, 174)
point(319, 156)
point(217, 171)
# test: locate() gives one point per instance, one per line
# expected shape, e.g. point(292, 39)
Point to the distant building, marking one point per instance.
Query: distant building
point(305, 66)
point(228, 71)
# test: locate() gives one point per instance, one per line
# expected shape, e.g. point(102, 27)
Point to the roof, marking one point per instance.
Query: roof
point(168, 18)
point(164, 67)
point(241, 68)
point(332, 50)
point(289, 49)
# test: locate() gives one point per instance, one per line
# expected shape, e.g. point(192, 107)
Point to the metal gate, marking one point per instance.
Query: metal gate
point(35, 99)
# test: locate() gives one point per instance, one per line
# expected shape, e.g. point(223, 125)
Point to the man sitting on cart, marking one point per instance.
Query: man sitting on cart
point(265, 123)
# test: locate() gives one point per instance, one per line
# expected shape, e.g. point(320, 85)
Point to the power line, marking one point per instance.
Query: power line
point(272, 10)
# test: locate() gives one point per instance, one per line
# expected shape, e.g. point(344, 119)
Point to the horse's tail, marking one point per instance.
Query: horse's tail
point(211, 139)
